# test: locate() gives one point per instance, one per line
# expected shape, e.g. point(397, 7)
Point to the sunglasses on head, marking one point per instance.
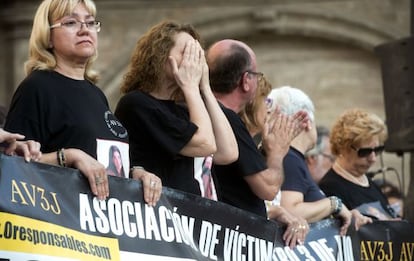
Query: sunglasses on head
point(364, 152)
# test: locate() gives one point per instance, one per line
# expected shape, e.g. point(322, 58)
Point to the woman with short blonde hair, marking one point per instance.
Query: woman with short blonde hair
point(357, 140)
point(58, 103)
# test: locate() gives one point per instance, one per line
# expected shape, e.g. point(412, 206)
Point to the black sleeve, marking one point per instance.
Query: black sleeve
point(251, 160)
point(152, 123)
point(28, 112)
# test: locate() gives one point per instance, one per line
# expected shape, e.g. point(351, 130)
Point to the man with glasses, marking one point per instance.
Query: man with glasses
point(251, 179)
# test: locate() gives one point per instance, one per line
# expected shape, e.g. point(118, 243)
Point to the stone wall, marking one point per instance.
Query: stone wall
point(324, 47)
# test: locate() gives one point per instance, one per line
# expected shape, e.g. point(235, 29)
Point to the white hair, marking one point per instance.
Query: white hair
point(291, 100)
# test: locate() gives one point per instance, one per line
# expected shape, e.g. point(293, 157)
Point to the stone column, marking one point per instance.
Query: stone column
point(15, 23)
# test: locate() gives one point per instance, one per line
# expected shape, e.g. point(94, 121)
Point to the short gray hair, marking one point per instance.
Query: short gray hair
point(291, 100)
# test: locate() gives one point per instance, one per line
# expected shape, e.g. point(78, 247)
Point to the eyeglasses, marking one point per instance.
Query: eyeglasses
point(331, 158)
point(77, 25)
point(364, 152)
point(258, 74)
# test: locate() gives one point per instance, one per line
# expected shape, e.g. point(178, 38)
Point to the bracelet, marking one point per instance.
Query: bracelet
point(336, 205)
point(61, 159)
point(332, 200)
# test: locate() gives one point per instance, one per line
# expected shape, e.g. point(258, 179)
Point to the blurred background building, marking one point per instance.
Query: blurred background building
point(325, 47)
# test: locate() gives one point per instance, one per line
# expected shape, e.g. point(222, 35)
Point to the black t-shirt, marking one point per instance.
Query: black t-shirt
point(60, 112)
point(298, 178)
point(158, 130)
point(353, 195)
point(232, 187)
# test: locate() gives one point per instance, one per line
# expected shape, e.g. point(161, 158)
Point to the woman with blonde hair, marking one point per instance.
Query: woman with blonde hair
point(58, 103)
point(254, 115)
point(357, 140)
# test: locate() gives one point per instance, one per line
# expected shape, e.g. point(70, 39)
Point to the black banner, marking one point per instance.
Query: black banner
point(48, 213)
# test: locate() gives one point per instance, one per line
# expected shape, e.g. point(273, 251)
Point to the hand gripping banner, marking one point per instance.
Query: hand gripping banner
point(48, 213)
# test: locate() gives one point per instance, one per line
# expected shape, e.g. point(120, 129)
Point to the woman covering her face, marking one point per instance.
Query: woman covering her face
point(172, 116)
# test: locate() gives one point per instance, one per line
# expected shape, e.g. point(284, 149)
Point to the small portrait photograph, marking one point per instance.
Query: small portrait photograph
point(114, 156)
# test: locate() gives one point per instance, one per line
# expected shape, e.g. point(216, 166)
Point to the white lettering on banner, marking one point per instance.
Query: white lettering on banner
point(344, 248)
point(114, 216)
point(347, 248)
point(250, 242)
point(114, 212)
point(138, 220)
point(167, 233)
point(322, 250)
point(85, 214)
point(305, 252)
point(208, 239)
point(339, 255)
point(235, 247)
point(131, 230)
point(102, 223)
point(151, 225)
point(186, 228)
point(285, 254)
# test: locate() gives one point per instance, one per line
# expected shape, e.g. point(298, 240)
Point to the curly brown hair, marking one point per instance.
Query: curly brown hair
point(147, 64)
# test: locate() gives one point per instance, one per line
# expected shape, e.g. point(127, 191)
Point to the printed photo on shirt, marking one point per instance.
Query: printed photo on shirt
point(114, 155)
point(202, 173)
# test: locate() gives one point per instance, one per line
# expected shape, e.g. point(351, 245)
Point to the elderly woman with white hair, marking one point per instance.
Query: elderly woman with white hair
point(300, 194)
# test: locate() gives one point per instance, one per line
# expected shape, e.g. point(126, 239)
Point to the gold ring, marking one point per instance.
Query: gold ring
point(294, 230)
point(153, 183)
point(302, 226)
point(98, 180)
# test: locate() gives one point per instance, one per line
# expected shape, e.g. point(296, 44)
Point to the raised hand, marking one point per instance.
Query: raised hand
point(188, 73)
point(205, 78)
point(279, 130)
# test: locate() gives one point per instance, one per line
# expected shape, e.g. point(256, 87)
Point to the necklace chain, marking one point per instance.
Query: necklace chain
point(348, 176)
